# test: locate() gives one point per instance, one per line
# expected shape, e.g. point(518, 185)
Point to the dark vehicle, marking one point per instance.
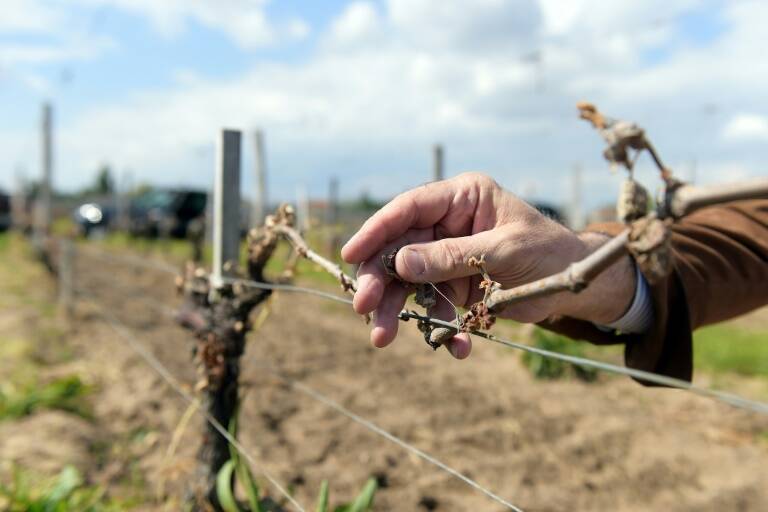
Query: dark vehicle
point(5, 211)
point(92, 218)
point(166, 212)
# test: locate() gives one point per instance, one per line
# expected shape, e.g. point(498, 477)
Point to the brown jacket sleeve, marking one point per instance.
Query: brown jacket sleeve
point(720, 270)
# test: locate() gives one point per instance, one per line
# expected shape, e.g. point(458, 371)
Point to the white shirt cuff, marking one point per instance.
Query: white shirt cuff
point(639, 317)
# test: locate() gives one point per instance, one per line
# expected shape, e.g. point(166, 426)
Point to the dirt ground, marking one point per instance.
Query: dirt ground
point(543, 445)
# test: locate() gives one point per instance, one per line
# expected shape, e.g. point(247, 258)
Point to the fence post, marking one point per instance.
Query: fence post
point(437, 162)
point(42, 206)
point(576, 214)
point(334, 240)
point(303, 208)
point(260, 204)
point(217, 312)
point(66, 277)
point(226, 205)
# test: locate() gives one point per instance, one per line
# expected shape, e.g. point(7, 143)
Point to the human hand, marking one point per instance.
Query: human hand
point(439, 226)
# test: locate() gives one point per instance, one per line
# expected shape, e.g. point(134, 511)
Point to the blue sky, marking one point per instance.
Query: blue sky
point(361, 90)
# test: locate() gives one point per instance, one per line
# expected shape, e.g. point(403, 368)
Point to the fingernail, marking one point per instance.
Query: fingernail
point(415, 262)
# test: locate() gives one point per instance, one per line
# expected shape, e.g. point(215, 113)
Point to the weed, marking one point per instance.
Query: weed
point(546, 368)
point(67, 492)
point(65, 393)
point(238, 469)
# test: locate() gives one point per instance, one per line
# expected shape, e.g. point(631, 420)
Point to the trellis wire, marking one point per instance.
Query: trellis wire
point(124, 332)
point(389, 436)
point(728, 398)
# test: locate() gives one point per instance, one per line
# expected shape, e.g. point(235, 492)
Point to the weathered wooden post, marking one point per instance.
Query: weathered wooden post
point(303, 213)
point(226, 206)
point(66, 272)
point(19, 213)
point(42, 207)
point(437, 163)
point(576, 213)
point(261, 199)
point(332, 219)
point(217, 311)
point(122, 202)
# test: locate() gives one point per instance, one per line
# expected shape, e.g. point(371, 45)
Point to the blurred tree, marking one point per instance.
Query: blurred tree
point(105, 184)
point(141, 188)
point(364, 203)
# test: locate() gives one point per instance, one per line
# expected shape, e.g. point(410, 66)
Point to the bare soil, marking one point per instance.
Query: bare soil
point(543, 445)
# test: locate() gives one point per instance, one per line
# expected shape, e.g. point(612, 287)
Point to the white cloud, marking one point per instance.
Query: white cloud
point(746, 127)
point(465, 26)
point(244, 21)
point(57, 35)
point(357, 24)
point(387, 80)
point(28, 16)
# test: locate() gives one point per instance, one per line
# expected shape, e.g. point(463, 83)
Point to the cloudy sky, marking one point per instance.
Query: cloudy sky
point(362, 89)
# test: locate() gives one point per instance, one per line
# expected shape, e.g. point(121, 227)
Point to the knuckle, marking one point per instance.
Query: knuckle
point(479, 178)
point(452, 254)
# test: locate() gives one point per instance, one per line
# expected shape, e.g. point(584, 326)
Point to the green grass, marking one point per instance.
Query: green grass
point(66, 492)
point(237, 470)
point(720, 350)
point(174, 249)
point(727, 348)
point(65, 394)
point(551, 369)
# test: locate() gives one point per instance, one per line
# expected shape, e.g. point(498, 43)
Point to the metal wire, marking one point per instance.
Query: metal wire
point(287, 288)
point(123, 331)
point(728, 398)
point(389, 436)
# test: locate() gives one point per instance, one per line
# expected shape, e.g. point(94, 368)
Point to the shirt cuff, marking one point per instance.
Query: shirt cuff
point(639, 317)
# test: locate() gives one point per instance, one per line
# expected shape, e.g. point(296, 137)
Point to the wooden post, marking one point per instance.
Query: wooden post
point(218, 312)
point(302, 209)
point(576, 214)
point(209, 216)
point(42, 208)
point(47, 163)
point(123, 204)
point(334, 240)
point(226, 205)
point(66, 277)
point(437, 162)
point(260, 205)
point(19, 214)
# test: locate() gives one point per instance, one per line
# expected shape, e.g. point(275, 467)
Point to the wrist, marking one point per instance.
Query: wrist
point(609, 295)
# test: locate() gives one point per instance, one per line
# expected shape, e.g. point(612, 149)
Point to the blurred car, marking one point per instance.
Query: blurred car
point(5, 211)
point(166, 212)
point(91, 218)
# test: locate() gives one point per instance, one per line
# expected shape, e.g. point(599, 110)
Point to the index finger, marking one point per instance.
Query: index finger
point(418, 208)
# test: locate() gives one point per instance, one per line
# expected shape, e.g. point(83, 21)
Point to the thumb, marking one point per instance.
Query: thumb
point(442, 260)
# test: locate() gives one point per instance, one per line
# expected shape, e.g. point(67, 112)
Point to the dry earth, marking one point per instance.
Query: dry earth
point(545, 446)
